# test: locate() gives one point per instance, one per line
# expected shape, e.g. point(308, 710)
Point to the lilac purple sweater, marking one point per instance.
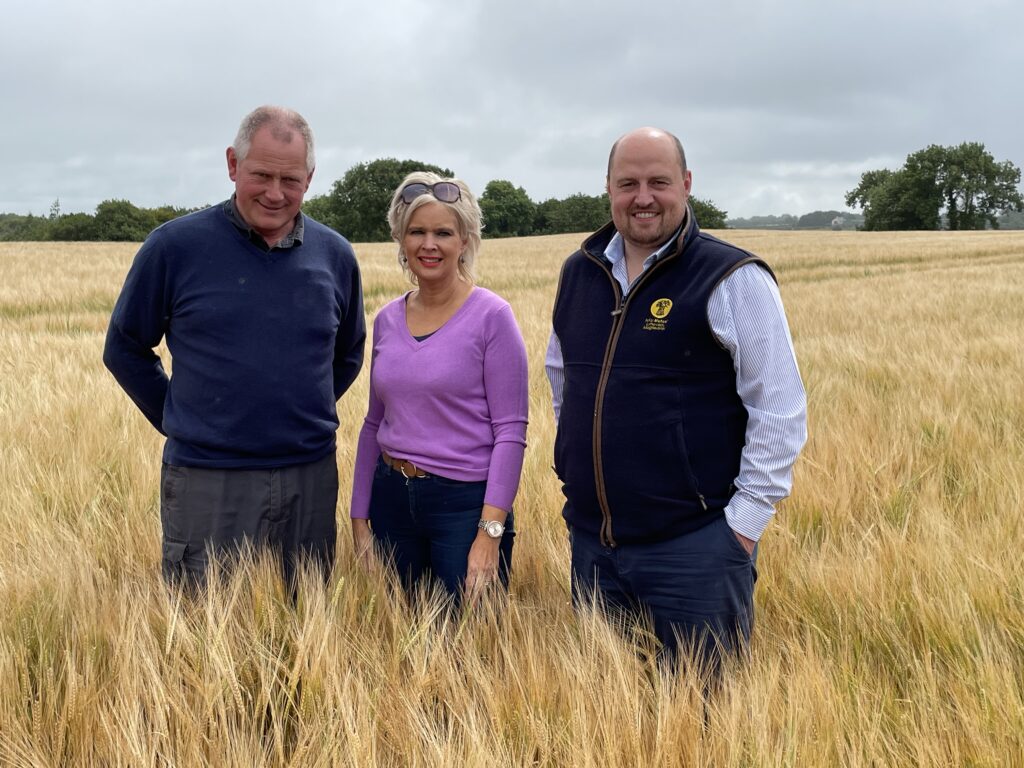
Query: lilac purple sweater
point(454, 404)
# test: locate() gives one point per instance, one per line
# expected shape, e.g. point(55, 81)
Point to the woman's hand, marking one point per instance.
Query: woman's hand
point(482, 564)
point(362, 539)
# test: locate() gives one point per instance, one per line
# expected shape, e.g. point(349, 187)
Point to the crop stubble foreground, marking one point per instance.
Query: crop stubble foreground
point(890, 626)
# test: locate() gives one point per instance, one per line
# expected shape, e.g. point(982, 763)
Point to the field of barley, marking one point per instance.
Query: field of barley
point(890, 624)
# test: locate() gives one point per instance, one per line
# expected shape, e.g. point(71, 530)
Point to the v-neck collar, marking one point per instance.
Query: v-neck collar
point(411, 340)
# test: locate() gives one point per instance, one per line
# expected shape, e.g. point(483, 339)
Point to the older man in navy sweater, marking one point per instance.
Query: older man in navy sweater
point(261, 309)
point(680, 408)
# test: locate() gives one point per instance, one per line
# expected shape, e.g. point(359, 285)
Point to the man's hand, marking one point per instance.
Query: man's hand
point(747, 544)
point(362, 539)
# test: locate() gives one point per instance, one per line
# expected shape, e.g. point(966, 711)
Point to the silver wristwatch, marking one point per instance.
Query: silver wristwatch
point(492, 528)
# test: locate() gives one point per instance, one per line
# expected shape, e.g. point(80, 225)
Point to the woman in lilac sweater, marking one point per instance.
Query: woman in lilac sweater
point(441, 448)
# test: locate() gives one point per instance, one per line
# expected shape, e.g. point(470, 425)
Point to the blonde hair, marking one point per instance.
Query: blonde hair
point(467, 218)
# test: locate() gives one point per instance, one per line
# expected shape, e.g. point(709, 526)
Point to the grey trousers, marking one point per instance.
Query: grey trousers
point(290, 510)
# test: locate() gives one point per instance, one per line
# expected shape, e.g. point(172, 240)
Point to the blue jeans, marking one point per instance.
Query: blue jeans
point(426, 525)
point(698, 589)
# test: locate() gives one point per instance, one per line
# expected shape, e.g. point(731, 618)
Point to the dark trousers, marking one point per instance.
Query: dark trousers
point(696, 589)
point(426, 526)
point(288, 509)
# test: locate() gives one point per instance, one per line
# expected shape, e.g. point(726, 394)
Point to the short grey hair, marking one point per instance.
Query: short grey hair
point(467, 217)
point(283, 121)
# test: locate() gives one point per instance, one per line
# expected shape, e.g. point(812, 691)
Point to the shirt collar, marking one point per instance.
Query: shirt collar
point(290, 240)
point(615, 251)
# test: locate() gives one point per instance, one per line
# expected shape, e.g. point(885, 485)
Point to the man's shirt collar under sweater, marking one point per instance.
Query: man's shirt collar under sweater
point(290, 240)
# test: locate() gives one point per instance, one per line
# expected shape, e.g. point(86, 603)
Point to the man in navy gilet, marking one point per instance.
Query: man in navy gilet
point(680, 410)
point(261, 309)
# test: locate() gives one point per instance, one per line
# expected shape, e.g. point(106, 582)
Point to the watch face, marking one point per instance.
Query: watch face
point(494, 529)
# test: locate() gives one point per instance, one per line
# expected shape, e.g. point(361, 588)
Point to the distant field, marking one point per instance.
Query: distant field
point(890, 626)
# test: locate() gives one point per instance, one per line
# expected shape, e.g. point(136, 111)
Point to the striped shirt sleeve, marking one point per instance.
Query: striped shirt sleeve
point(554, 366)
point(746, 315)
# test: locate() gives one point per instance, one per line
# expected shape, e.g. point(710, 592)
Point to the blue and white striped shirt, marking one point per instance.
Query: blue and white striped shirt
point(746, 315)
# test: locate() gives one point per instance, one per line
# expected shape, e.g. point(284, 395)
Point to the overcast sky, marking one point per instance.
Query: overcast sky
point(780, 105)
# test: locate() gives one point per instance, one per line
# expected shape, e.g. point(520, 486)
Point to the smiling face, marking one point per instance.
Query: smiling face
point(270, 181)
point(648, 190)
point(432, 244)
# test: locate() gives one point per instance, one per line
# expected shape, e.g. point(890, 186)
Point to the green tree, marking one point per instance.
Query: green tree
point(120, 221)
point(318, 207)
point(544, 215)
point(903, 199)
point(965, 183)
point(709, 215)
point(871, 186)
point(508, 211)
point(17, 228)
point(975, 188)
point(357, 205)
point(584, 213)
point(71, 227)
point(166, 213)
point(575, 213)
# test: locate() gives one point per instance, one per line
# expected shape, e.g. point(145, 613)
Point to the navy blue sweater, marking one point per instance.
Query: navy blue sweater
point(262, 343)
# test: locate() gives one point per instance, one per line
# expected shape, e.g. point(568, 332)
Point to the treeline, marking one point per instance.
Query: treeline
point(356, 206)
point(836, 220)
point(357, 203)
point(959, 187)
point(114, 220)
point(840, 220)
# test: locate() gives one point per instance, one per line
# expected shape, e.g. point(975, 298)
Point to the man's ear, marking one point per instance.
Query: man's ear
point(232, 164)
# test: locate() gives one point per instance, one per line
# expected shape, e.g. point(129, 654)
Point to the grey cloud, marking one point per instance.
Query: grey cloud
point(781, 105)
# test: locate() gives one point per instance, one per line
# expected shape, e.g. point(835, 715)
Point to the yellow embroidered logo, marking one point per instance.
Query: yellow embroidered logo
point(661, 308)
point(659, 311)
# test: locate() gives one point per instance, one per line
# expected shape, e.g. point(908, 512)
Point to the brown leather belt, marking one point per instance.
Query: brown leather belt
point(407, 468)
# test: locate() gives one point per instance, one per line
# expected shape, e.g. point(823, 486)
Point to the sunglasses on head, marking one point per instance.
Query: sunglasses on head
point(445, 191)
